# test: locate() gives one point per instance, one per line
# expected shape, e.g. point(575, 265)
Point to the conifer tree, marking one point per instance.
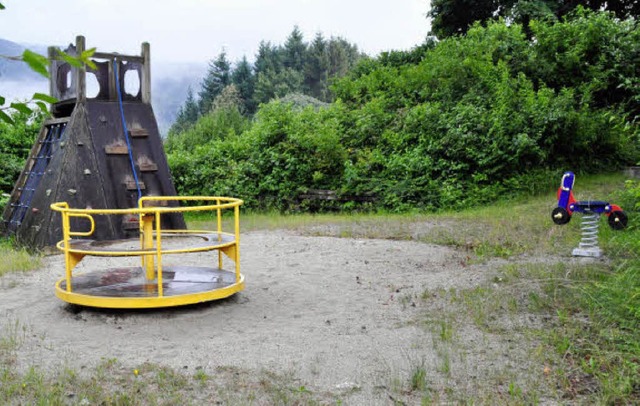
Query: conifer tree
point(218, 77)
point(267, 59)
point(242, 77)
point(294, 51)
point(187, 115)
point(317, 69)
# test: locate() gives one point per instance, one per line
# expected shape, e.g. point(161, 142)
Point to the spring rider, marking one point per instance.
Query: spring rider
point(591, 211)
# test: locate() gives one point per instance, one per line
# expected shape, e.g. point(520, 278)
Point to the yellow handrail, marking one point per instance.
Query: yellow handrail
point(150, 227)
point(233, 202)
point(83, 233)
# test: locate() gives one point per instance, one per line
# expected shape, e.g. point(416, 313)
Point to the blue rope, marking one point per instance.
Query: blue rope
point(126, 130)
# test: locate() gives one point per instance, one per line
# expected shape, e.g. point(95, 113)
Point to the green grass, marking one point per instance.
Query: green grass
point(17, 259)
point(590, 312)
point(510, 227)
point(111, 383)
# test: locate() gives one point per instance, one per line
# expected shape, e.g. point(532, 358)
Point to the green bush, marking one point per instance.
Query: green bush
point(15, 143)
point(462, 122)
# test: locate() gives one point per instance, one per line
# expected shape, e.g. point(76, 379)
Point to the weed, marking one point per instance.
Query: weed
point(17, 259)
point(445, 331)
point(201, 376)
point(419, 378)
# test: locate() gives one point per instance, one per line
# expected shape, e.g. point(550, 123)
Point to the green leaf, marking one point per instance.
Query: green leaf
point(5, 117)
point(1, 6)
point(85, 57)
point(71, 60)
point(36, 62)
point(21, 107)
point(43, 106)
point(44, 97)
point(1, 100)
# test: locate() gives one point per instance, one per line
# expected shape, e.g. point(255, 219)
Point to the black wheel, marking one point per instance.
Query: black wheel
point(618, 220)
point(560, 216)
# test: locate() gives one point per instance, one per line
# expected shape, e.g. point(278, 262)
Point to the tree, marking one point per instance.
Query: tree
point(218, 77)
point(342, 56)
point(244, 80)
point(270, 85)
point(267, 59)
point(316, 69)
point(294, 51)
point(188, 114)
point(229, 98)
point(16, 140)
point(454, 17)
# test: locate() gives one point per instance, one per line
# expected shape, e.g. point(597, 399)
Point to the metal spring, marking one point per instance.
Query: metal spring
point(589, 228)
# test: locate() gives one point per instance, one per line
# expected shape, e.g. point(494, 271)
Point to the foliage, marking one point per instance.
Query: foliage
point(243, 78)
point(447, 125)
point(295, 67)
point(301, 101)
point(285, 152)
point(16, 141)
point(218, 77)
point(455, 17)
point(187, 115)
point(595, 54)
point(293, 152)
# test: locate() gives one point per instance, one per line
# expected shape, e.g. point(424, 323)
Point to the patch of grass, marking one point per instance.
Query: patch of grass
point(17, 259)
point(113, 383)
point(589, 329)
point(201, 376)
point(419, 378)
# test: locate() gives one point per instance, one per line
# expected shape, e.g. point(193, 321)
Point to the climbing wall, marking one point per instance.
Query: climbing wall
point(102, 152)
point(30, 178)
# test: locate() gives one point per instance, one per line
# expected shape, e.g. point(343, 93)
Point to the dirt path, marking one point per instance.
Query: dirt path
point(340, 315)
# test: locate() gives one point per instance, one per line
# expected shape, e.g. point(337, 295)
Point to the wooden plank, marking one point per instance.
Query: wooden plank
point(116, 150)
point(131, 185)
point(148, 167)
point(54, 121)
point(156, 203)
point(138, 132)
point(81, 73)
point(121, 57)
point(52, 53)
point(145, 80)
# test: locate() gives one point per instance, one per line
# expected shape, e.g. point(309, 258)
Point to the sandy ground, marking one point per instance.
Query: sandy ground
point(338, 314)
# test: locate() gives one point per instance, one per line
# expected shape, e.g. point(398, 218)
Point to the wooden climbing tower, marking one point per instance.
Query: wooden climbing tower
point(101, 151)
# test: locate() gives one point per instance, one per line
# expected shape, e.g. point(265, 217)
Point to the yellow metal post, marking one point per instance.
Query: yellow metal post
point(147, 244)
point(219, 216)
point(67, 241)
point(159, 252)
point(236, 215)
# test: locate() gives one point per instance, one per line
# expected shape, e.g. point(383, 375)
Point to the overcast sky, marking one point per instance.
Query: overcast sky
point(197, 30)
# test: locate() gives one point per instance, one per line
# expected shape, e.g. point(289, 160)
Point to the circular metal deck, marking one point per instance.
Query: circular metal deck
point(128, 287)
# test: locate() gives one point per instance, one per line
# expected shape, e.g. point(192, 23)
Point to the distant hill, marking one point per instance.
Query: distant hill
point(14, 70)
point(169, 81)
